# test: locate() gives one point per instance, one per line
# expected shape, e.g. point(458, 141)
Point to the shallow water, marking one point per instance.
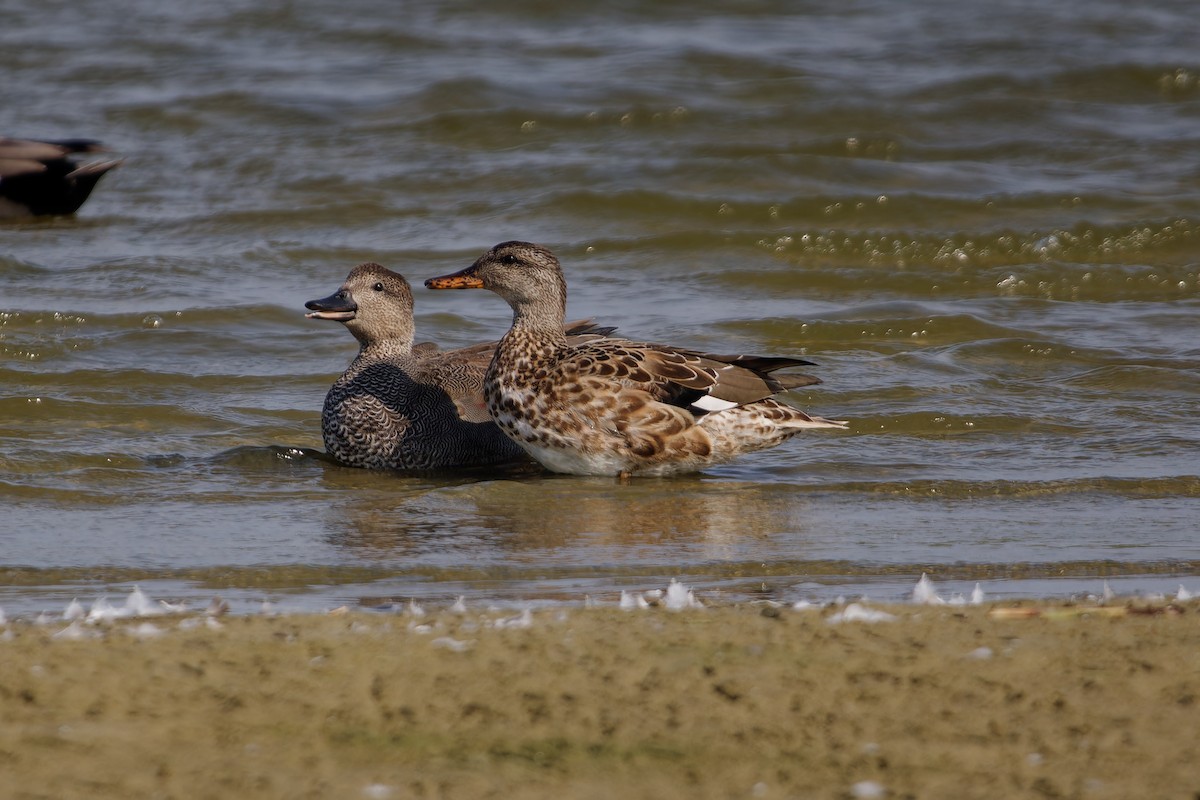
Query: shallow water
point(981, 222)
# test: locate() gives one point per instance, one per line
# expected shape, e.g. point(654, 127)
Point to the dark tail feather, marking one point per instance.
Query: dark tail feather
point(766, 365)
point(586, 326)
point(795, 380)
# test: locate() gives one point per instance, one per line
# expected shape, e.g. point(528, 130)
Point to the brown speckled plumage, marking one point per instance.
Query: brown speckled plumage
point(614, 407)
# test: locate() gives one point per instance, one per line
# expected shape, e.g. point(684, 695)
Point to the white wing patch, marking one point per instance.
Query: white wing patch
point(710, 403)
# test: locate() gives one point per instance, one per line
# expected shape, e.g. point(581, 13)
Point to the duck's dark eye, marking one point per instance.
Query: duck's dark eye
point(508, 258)
point(378, 286)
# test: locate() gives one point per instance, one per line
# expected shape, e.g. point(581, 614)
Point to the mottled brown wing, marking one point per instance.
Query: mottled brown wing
point(725, 385)
point(460, 372)
point(699, 382)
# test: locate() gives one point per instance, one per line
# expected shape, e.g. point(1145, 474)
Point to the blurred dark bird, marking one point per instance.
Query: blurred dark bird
point(38, 178)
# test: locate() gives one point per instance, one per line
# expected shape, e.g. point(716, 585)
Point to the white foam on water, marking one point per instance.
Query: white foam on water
point(137, 604)
point(74, 610)
point(102, 611)
point(76, 631)
point(680, 597)
point(858, 612)
point(217, 607)
point(868, 789)
point(146, 630)
point(523, 620)
point(452, 644)
point(632, 600)
point(924, 593)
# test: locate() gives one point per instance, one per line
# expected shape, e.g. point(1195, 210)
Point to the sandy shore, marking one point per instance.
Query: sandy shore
point(755, 701)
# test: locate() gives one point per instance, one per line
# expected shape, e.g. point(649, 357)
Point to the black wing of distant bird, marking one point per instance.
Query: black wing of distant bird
point(40, 178)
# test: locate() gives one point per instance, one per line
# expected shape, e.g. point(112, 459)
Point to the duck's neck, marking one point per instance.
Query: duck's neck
point(541, 322)
point(384, 348)
point(532, 341)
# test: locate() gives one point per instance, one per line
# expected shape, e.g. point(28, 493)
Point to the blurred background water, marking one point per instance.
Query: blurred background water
point(981, 220)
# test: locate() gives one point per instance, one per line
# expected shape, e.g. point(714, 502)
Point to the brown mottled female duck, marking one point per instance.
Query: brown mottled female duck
point(38, 178)
point(613, 407)
point(405, 407)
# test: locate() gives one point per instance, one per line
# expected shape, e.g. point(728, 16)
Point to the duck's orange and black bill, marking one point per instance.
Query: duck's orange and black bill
point(463, 279)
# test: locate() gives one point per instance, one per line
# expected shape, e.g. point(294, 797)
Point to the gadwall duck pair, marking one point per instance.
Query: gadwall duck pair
point(406, 406)
point(38, 178)
point(575, 400)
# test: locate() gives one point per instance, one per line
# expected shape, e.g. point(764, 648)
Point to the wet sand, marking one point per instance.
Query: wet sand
point(988, 701)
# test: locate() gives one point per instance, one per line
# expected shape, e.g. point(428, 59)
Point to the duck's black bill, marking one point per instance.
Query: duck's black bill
point(338, 306)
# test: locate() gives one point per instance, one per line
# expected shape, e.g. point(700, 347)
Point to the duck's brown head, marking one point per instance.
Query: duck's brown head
point(374, 303)
point(527, 275)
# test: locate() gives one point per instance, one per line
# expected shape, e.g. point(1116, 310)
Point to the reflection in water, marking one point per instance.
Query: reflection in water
point(712, 520)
